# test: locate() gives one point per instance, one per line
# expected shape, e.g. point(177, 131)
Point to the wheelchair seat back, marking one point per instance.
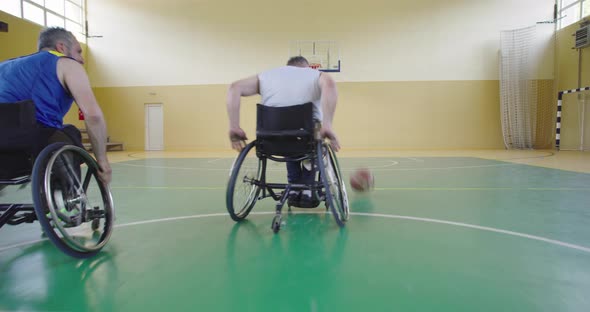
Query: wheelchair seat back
point(18, 130)
point(285, 131)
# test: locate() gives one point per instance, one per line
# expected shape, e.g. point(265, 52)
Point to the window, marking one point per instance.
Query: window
point(56, 6)
point(55, 20)
point(11, 7)
point(571, 11)
point(33, 13)
point(62, 13)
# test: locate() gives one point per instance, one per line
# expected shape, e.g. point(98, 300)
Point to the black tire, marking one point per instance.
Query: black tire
point(334, 187)
point(67, 175)
point(246, 170)
point(276, 224)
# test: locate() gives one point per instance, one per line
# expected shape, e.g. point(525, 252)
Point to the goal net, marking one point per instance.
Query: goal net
point(526, 87)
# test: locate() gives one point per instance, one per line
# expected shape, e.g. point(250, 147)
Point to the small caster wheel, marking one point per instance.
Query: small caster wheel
point(276, 224)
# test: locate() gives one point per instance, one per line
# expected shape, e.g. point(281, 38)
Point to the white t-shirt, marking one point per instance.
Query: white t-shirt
point(291, 85)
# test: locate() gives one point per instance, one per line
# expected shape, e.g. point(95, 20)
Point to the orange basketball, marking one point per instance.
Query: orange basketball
point(362, 180)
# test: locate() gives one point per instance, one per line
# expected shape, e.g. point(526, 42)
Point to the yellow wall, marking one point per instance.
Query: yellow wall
point(567, 65)
point(21, 39)
point(370, 115)
point(415, 74)
point(156, 42)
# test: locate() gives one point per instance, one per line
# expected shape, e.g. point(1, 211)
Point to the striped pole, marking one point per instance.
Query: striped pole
point(559, 101)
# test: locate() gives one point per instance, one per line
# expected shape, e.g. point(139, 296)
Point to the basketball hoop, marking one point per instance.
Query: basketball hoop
point(315, 65)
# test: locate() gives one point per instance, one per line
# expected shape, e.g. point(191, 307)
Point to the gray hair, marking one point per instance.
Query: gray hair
point(297, 61)
point(50, 36)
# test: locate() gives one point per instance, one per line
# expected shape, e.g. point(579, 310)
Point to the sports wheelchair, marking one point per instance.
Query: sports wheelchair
point(75, 209)
point(285, 134)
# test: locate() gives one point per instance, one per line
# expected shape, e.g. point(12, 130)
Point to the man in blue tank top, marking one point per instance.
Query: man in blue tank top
point(53, 78)
point(288, 85)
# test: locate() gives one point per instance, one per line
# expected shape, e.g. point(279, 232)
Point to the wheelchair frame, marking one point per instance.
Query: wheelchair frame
point(328, 184)
point(43, 208)
point(9, 211)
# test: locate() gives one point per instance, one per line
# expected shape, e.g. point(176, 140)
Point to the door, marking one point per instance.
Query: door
point(154, 127)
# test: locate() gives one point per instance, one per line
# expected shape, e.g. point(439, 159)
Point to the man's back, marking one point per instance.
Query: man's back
point(291, 85)
point(34, 77)
point(286, 86)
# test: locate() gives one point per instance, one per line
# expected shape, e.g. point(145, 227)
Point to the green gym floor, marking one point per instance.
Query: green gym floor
point(481, 231)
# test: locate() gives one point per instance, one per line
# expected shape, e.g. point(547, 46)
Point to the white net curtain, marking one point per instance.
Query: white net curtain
point(524, 55)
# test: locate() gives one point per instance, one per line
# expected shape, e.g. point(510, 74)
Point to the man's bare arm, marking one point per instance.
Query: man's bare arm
point(328, 101)
point(76, 81)
point(244, 87)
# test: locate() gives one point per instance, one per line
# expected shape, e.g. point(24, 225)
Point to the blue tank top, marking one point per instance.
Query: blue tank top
point(34, 77)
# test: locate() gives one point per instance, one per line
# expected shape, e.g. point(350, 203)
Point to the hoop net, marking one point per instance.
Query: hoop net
point(315, 66)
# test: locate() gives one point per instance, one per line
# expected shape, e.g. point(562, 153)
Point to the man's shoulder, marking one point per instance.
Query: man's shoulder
point(286, 70)
point(69, 70)
point(272, 70)
point(67, 63)
point(23, 58)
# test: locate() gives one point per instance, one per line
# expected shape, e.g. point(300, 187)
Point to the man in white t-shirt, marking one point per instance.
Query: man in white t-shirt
point(289, 85)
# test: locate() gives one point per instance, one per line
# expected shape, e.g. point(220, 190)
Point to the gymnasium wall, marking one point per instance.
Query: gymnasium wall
point(572, 65)
point(21, 39)
point(415, 74)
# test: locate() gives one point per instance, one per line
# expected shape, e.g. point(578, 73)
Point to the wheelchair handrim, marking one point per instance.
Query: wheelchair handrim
point(334, 196)
point(105, 236)
point(247, 204)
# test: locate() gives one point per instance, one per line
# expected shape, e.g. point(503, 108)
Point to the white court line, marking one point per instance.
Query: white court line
point(379, 168)
point(391, 163)
point(167, 167)
point(22, 244)
point(559, 189)
point(202, 188)
point(376, 168)
point(218, 188)
point(216, 159)
point(268, 168)
point(548, 154)
point(477, 227)
point(375, 215)
point(453, 167)
point(187, 168)
point(171, 219)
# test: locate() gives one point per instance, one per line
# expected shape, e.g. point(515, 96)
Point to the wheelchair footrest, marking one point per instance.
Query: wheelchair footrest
point(95, 213)
point(303, 202)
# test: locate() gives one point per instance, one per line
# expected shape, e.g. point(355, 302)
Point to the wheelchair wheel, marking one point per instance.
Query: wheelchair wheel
point(242, 191)
point(74, 207)
point(334, 187)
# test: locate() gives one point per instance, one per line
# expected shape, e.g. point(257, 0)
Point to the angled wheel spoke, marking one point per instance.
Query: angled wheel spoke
point(62, 200)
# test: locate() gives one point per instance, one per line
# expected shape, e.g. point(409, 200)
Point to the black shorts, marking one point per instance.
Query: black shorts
point(68, 134)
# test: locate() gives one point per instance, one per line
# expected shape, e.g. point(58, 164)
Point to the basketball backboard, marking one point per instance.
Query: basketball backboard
point(321, 55)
